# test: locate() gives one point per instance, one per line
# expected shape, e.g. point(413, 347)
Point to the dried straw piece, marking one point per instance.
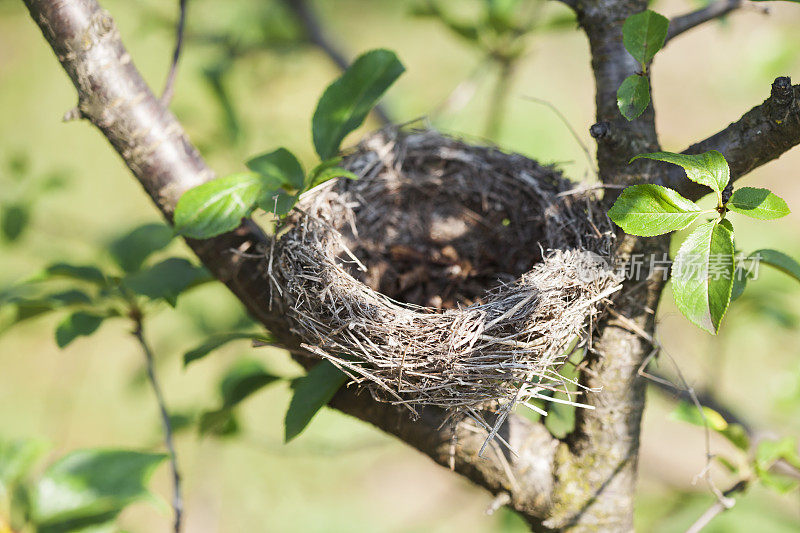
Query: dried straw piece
point(513, 267)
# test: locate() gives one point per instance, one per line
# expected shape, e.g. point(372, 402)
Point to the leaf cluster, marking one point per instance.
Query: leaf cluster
point(704, 274)
point(276, 179)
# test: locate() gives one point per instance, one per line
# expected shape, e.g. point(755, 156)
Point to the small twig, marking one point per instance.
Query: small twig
point(169, 86)
point(499, 100)
point(177, 498)
point(574, 133)
point(500, 500)
point(722, 504)
point(693, 19)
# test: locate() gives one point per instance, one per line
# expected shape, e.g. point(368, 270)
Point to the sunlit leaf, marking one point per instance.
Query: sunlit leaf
point(709, 169)
point(688, 412)
point(217, 206)
point(643, 34)
point(311, 392)
point(702, 274)
point(648, 210)
point(757, 203)
point(633, 96)
point(347, 101)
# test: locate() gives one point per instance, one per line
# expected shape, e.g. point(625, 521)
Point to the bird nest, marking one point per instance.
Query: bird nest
point(449, 274)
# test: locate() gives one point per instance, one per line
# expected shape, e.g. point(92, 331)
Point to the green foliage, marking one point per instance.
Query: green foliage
point(705, 278)
point(277, 178)
point(87, 273)
point(166, 279)
point(242, 380)
point(14, 220)
point(77, 324)
point(643, 34)
point(633, 96)
point(770, 452)
point(217, 206)
point(778, 260)
point(702, 274)
point(219, 340)
point(89, 488)
point(709, 169)
point(649, 210)
point(758, 203)
point(707, 417)
point(131, 250)
point(311, 393)
point(279, 168)
point(347, 101)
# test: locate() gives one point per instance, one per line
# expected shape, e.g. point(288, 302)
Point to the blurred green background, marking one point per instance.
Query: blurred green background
point(247, 84)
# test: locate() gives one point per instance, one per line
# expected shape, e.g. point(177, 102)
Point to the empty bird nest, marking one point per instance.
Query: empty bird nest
point(449, 274)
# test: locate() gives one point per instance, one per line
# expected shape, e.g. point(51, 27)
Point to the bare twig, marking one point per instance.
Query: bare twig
point(719, 506)
point(177, 497)
point(574, 133)
point(714, 10)
point(169, 86)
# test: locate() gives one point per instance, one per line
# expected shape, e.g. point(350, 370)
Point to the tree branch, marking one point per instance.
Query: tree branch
point(115, 98)
point(762, 134)
point(686, 22)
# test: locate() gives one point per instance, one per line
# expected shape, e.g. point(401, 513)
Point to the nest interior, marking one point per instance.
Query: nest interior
point(448, 274)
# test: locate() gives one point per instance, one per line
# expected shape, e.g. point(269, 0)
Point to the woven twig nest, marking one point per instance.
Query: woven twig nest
point(448, 274)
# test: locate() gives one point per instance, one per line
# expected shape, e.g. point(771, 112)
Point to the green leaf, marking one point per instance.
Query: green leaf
point(78, 324)
point(217, 206)
point(17, 458)
point(277, 201)
point(280, 168)
point(757, 203)
point(633, 96)
point(219, 340)
point(740, 278)
point(91, 487)
point(778, 260)
point(702, 274)
point(648, 210)
point(770, 451)
point(311, 393)
point(132, 249)
point(347, 101)
point(709, 169)
point(243, 379)
point(688, 412)
point(220, 423)
point(325, 171)
point(166, 279)
point(737, 435)
point(14, 221)
point(87, 273)
point(643, 34)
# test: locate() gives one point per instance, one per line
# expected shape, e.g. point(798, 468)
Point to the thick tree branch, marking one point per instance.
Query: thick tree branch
point(114, 97)
point(764, 133)
point(714, 10)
